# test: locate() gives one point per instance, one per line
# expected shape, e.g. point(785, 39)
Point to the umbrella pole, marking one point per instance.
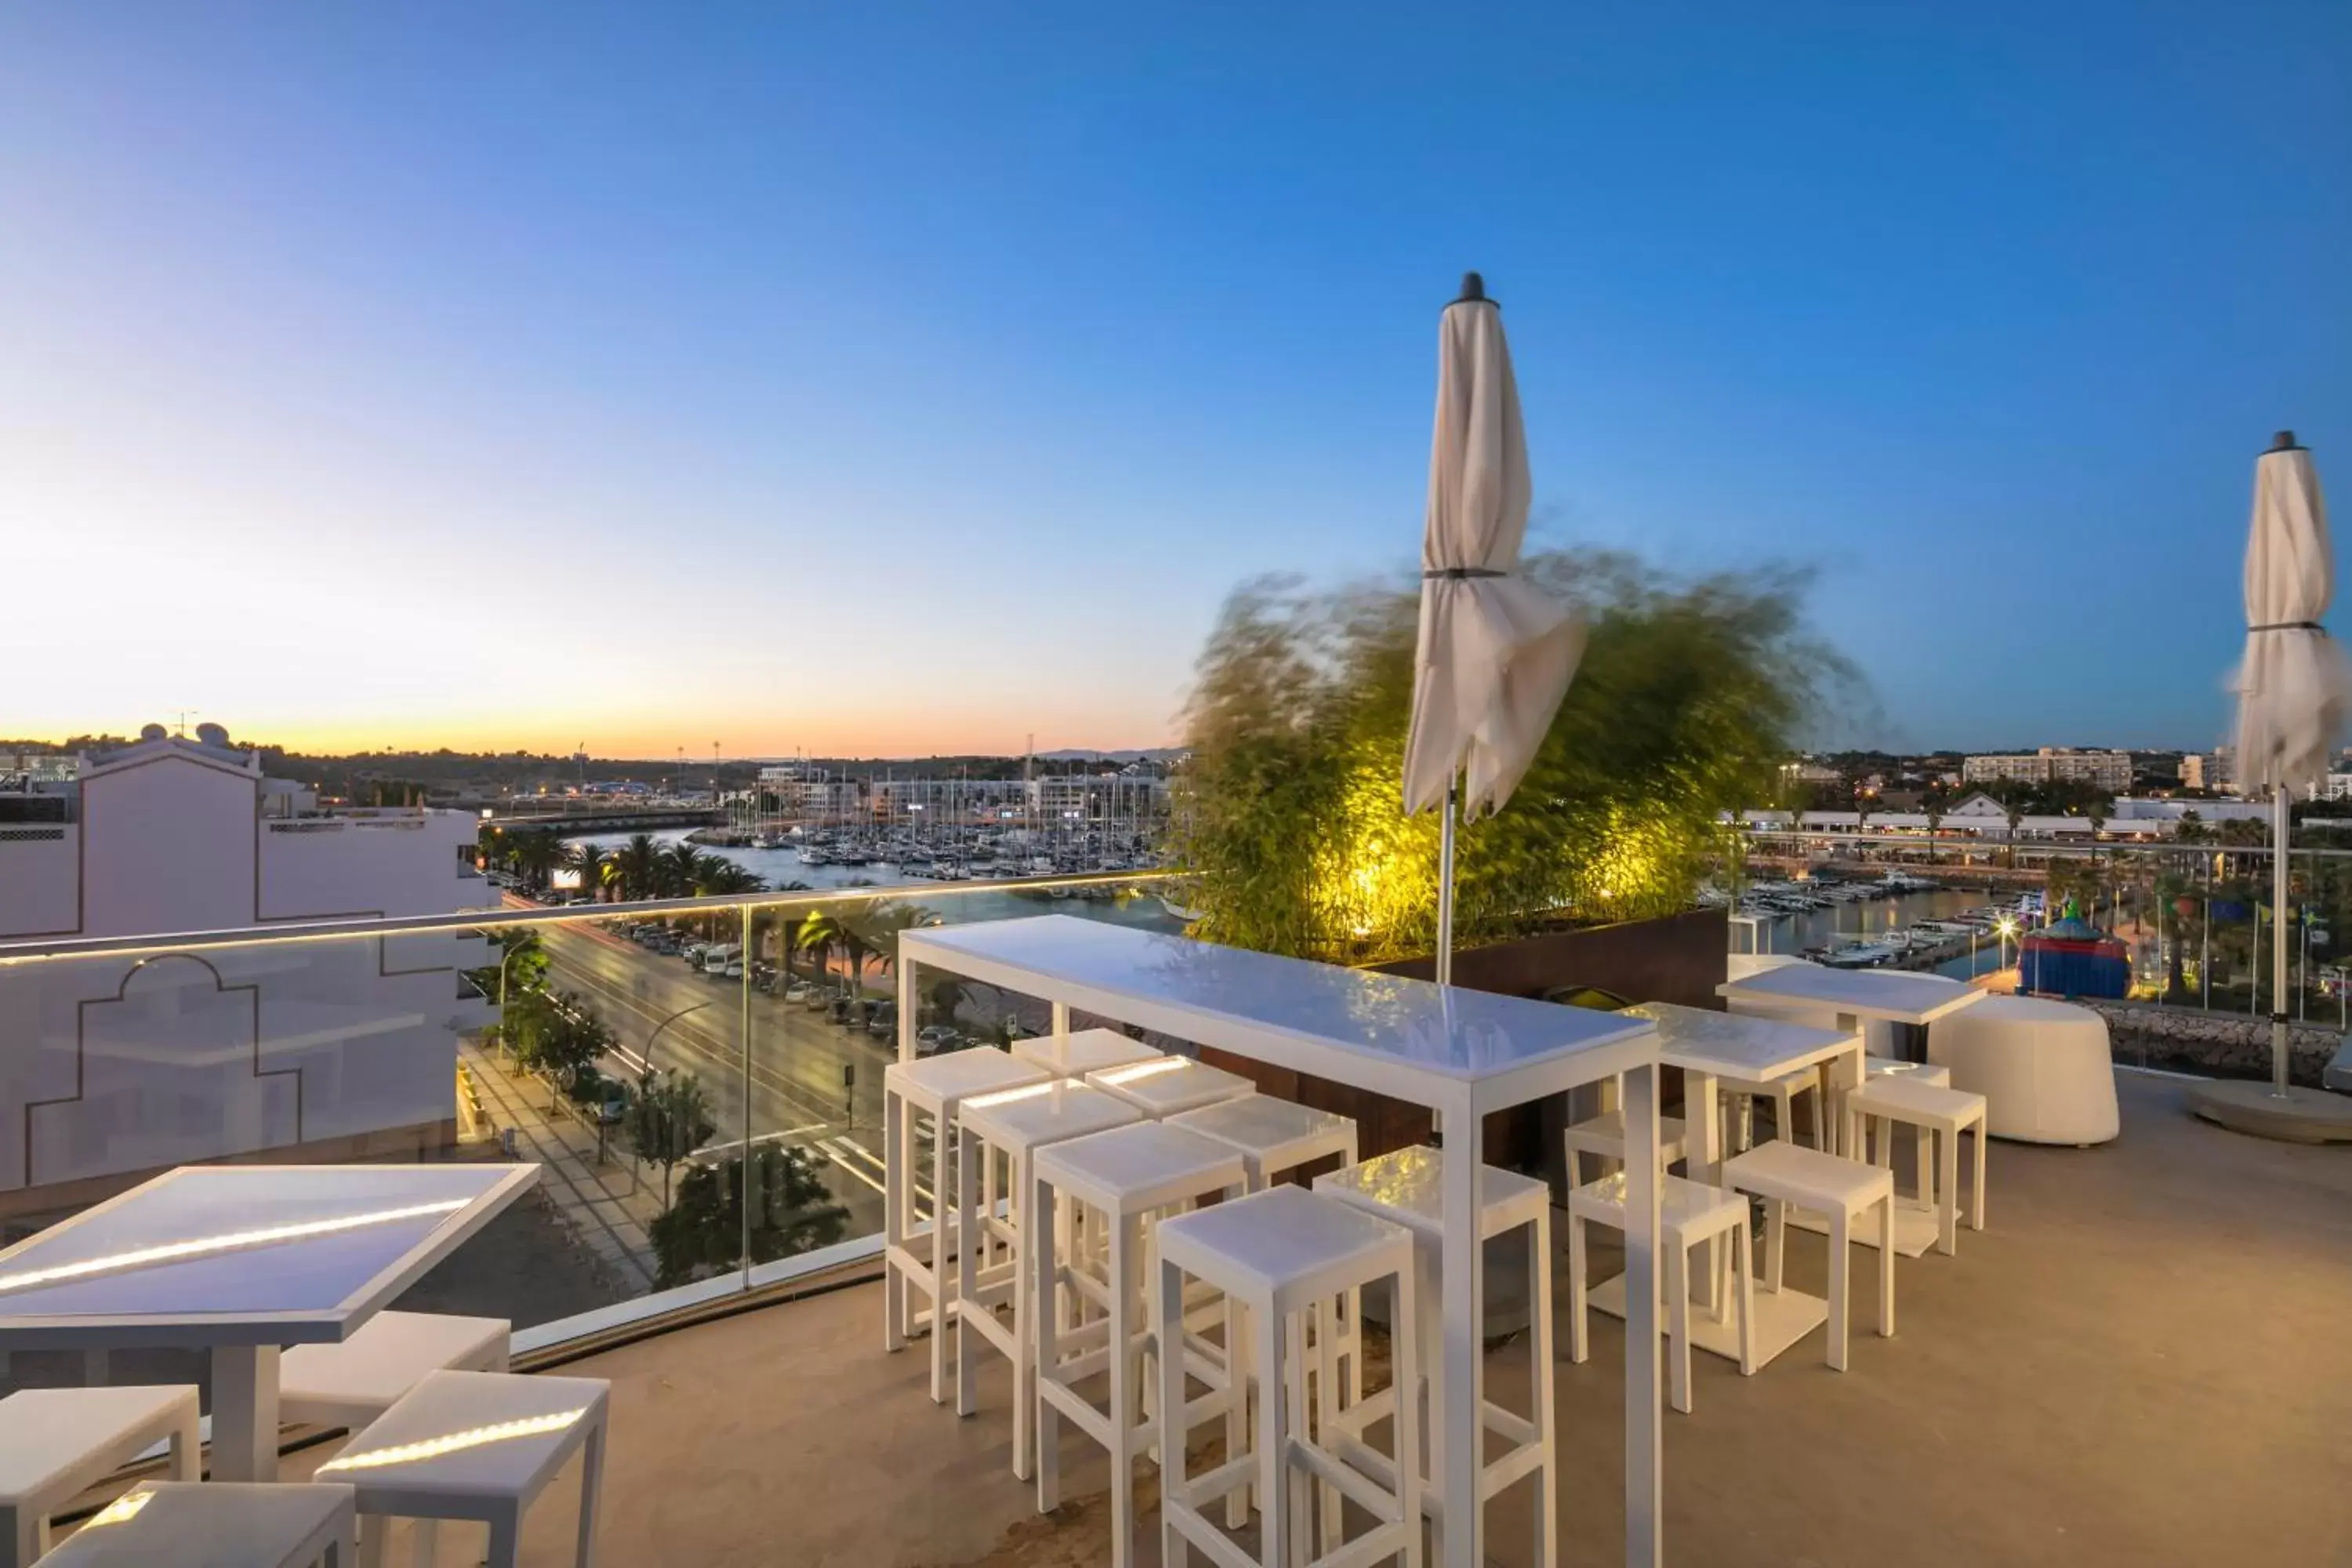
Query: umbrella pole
point(2278, 943)
point(1446, 891)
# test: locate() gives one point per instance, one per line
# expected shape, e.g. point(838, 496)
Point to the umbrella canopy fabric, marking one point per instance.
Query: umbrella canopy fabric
point(1496, 654)
point(2294, 688)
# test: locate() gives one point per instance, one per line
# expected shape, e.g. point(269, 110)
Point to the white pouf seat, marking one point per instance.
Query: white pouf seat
point(478, 1446)
point(253, 1524)
point(2045, 1068)
point(352, 1383)
point(56, 1443)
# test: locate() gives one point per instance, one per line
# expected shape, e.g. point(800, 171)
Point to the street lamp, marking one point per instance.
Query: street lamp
point(2007, 927)
point(664, 1024)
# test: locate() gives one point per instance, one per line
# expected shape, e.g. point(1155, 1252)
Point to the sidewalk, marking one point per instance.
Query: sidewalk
point(603, 1205)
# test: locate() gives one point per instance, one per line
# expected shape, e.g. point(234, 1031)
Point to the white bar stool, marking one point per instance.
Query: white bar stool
point(1165, 1086)
point(1127, 1177)
point(56, 1443)
point(1740, 1095)
point(1406, 1187)
point(1690, 1215)
point(352, 1383)
point(1274, 1137)
point(917, 1244)
point(998, 1135)
point(1604, 1136)
point(1085, 1051)
point(1790, 1175)
point(253, 1524)
point(478, 1446)
point(1281, 1255)
point(1874, 1068)
point(1941, 1115)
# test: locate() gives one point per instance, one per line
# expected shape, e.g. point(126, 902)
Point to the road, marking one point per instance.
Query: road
point(797, 1056)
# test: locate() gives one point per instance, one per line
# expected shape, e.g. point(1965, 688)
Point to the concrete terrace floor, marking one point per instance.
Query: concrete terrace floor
point(2145, 1361)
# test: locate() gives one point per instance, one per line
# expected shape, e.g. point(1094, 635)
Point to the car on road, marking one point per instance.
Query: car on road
point(799, 991)
point(884, 1020)
point(935, 1038)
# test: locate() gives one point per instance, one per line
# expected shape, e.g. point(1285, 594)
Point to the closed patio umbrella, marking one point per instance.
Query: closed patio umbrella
point(2292, 684)
point(1496, 655)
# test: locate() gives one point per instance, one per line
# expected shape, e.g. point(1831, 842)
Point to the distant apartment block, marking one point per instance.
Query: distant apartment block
point(1807, 771)
point(123, 1064)
point(2109, 771)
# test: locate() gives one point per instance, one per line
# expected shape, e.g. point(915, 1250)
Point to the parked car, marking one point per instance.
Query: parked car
point(883, 1021)
point(935, 1038)
point(799, 991)
point(819, 999)
point(839, 1010)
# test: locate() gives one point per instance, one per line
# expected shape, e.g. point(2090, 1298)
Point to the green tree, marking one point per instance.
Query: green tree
point(791, 1212)
point(535, 856)
point(636, 868)
point(669, 1120)
point(564, 1034)
point(589, 863)
point(1690, 697)
point(673, 875)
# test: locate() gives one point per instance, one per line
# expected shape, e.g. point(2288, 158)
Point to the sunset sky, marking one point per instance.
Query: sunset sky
point(894, 379)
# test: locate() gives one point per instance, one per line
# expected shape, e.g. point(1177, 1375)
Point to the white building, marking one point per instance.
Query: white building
point(2109, 771)
point(117, 1065)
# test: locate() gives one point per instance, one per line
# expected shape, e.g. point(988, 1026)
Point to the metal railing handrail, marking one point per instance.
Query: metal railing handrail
point(2035, 846)
point(40, 950)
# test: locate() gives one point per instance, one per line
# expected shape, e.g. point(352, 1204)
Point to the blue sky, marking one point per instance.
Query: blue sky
point(907, 378)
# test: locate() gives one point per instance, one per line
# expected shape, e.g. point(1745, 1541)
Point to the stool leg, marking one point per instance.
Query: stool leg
point(1539, 1384)
point(1744, 1282)
point(1887, 1267)
point(967, 1240)
point(1326, 1427)
point(187, 1450)
point(22, 1541)
point(591, 1491)
point(1976, 1208)
point(1579, 1346)
point(1274, 1519)
point(1679, 1326)
point(1030, 1296)
point(1299, 1491)
point(1776, 1242)
point(424, 1542)
point(1125, 1287)
point(1839, 1222)
point(373, 1529)
point(1409, 1335)
point(506, 1538)
point(1045, 1250)
point(1168, 1329)
point(894, 1227)
point(1718, 1259)
point(1238, 1404)
point(1947, 1181)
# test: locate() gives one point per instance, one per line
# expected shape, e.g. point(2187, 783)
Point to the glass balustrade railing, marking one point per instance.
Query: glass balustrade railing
point(699, 1082)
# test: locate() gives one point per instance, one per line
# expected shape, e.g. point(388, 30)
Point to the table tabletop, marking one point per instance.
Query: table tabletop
point(1902, 999)
point(1387, 1024)
point(1699, 1039)
point(230, 1255)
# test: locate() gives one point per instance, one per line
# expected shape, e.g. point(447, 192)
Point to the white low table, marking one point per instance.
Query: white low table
point(1461, 1053)
point(243, 1260)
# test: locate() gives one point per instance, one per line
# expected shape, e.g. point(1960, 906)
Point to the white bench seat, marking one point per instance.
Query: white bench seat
point(352, 1383)
point(56, 1443)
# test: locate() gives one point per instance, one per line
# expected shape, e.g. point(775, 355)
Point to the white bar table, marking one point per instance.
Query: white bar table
point(243, 1260)
point(1703, 1043)
point(1852, 996)
point(1464, 1053)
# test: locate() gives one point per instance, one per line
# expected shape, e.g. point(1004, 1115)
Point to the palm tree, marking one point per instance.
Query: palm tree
point(825, 929)
point(535, 856)
point(589, 861)
point(636, 867)
point(876, 930)
point(716, 876)
point(674, 874)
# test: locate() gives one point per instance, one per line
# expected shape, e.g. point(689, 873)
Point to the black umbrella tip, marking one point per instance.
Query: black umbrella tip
point(2282, 442)
point(1473, 288)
